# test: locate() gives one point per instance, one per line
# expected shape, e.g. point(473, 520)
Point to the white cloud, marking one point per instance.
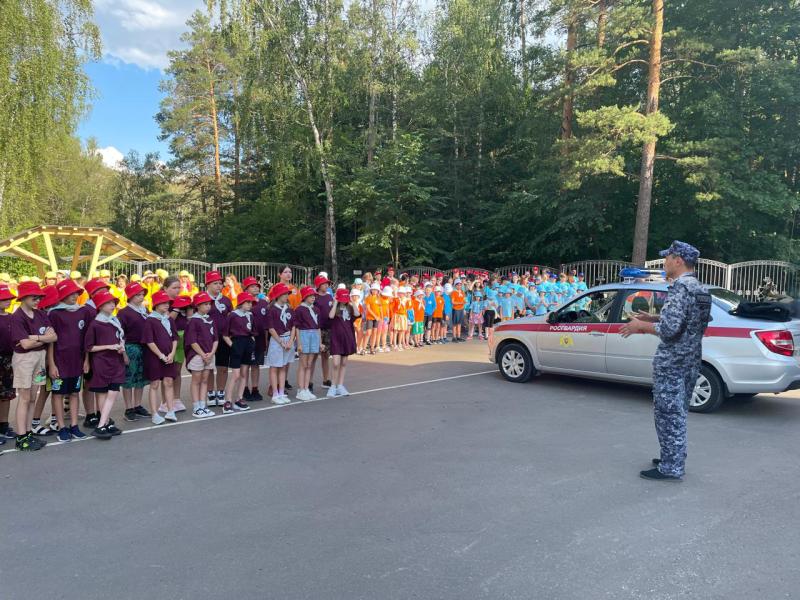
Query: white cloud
point(141, 32)
point(111, 157)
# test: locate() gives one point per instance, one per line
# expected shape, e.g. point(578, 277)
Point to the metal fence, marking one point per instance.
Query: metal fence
point(597, 271)
point(419, 271)
point(746, 277)
point(523, 268)
point(710, 272)
point(266, 273)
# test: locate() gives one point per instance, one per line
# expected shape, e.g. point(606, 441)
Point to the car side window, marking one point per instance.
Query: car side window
point(648, 301)
point(590, 308)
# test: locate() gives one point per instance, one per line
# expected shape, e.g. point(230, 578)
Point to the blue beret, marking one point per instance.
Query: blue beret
point(683, 250)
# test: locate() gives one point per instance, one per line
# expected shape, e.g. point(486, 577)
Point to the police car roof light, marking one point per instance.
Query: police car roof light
point(634, 274)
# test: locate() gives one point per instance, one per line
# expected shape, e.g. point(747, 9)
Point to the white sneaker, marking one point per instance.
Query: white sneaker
point(332, 392)
point(285, 399)
point(277, 399)
point(302, 395)
point(198, 413)
point(310, 395)
point(157, 419)
point(342, 391)
point(179, 406)
point(207, 412)
point(170, 416)
point(163, 408)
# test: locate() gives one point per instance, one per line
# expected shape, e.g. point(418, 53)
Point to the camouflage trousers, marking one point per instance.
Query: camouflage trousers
point(673, 386)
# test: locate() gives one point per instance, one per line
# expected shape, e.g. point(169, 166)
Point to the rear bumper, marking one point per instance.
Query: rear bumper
point(760, 376)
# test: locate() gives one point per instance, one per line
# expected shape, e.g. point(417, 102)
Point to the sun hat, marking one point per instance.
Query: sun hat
point(149, 274)
point(448, 288)
point(341, 286)
point(181, 302)
point(320, 280)
point(133, 288)
point(50, 297)
point(105, 273)
point(307, 291)
point(387, 291)
point(135, 277)
point(375, 286)
point(278, 290)
point(67, 287)
point(74, 274)
point(29, 288)
point(102, 298)
point(160, 297)
point(183, 273)
point(356, 292)
point(419, 293)
point(5, 277)
point(212, 276)
point(95, 285)
point(162, 273)
point(342, 296)
point(6, 293)
point(357, 281)
point(438, 288)
point(201, 298)
point(50, 275)
point(248, 281)
point(244, 297)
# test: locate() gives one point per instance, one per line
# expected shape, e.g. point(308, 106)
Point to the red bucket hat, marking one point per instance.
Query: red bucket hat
point(342, 296)
point(66, 288)
point(6, 293)
point(132, 289)
point(212, 276)
point(160, 297)
point(309, 291)
point(201, 298)
point(29, 288)
point(244, 297)
point(181, 302)
point(318, 281)
point(248, 281)
point(278, 290)
point(94, 285)
point(50, 297)
point(104, 298)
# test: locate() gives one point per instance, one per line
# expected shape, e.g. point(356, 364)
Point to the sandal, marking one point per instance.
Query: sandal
point(43, 431)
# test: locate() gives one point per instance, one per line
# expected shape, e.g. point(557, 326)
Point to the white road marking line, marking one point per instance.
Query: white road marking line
point(261, 408)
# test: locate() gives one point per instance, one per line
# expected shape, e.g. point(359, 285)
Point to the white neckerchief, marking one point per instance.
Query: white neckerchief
point(310, 308)
point(141, 309)
point(205, 318)
point(218, 303)
point(285, 315)
point(166, 322)
point(104, 318)
point(67, 307)
point(91, 303)
point(246, 315)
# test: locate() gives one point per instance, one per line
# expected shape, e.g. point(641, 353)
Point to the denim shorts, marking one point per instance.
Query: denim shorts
point(309, 340)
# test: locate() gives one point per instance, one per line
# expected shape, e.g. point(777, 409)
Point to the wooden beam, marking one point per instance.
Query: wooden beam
point(35, 248)
point(48, 244)
point(112, 257)
point(76, 255)
point(22, 253)
point(13, 242)
point(98, 246)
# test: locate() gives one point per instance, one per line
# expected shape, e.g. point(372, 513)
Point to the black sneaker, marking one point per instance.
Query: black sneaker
point(311, 387)
point(656, 461)
point(102, 433)
point(41, 430)
point(326, 384)
point(28, 443)
point(113, 429)
point(142, 411)
point(246, 395)
point(288, 386)
point(241, 405)
point(9, 433)
point(92, 420)
point(656, 475)
point(227, 408)
point(130, 415)
point(255, 396)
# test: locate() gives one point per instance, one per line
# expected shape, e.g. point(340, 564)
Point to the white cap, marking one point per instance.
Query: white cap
point(448, 289)
point(355, 292)
point(438, 288)
point(419, 293)
point(323, 274)
point(375, 286)
point(341, 286)
point(387, 291)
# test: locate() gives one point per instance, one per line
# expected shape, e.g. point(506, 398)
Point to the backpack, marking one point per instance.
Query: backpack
point(767, 311)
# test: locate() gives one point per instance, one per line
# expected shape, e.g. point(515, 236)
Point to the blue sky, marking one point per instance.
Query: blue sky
point(136, 37)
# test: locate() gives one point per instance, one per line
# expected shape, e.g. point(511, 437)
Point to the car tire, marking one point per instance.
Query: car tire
point(515, 363)
point(709, 393)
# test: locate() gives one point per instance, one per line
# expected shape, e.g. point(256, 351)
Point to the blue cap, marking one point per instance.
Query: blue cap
point(581, 274)
point(552, 276)
point(687, 252)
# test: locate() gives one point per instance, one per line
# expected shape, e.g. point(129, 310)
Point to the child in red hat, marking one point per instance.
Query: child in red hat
point(30, 334)
point(7, 393)
point(323, 302)
point(238, 335)
point(133, 317)
point(280, 353)
point(70, 321)
point(200, 342)
point(105, 344)
point(343, 339)
point(308, 322)
point(161, 338)
point(49, 300)
point(259, 312)
point(180, 311)
point(221, 307)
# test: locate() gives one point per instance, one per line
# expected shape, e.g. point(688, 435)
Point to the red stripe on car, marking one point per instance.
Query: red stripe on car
point(729, 332)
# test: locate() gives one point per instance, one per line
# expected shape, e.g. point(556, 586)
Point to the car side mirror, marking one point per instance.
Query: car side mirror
point(552, 318)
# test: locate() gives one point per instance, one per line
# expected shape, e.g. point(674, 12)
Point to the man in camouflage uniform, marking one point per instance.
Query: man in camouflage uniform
point(676, 364)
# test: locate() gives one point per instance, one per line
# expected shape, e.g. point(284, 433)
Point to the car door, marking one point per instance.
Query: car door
point(632, 358)
point(574, 339)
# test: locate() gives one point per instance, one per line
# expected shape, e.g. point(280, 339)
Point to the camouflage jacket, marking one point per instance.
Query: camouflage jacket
point(684, 316)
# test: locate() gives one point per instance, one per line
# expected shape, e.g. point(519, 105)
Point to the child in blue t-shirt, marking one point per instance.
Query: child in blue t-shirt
point(476, 314)
point(506, 303)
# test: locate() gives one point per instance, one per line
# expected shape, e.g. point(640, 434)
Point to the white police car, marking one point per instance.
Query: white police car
point(741, 356)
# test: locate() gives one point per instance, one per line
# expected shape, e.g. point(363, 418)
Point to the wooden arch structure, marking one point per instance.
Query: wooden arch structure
point(100, 244)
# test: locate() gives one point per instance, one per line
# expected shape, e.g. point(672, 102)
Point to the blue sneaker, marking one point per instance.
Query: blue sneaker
point(64, 435)
point(10, 433)
point(77, 433)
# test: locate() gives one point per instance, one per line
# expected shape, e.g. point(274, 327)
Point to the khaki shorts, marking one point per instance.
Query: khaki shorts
point(197, 364)
point(29, 369)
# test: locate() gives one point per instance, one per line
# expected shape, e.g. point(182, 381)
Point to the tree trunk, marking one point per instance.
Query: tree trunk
point(523, 44)
point(373, 92)
point(237, 157)
point(602, 20)
point(641, 230)
point(213, 103)
point(569, 79)
point(395, 61)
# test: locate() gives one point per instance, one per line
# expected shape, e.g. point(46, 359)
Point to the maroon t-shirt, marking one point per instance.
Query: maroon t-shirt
point(68, 350)
point(91, 309)
point(324, 302)
point(199, 332)
point(304, 317)
point(260, 324)
point(6, 345)
point(219, 317)
point(280, 320)
point(108, 366)
point(23, 326)
point(180, 322)
point(239, 326)
point(154, 333)
point(133, 324)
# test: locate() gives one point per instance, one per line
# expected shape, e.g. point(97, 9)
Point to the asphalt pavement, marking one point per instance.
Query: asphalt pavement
point(436, 479)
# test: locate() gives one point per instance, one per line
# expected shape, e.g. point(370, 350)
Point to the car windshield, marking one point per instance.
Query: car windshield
point(726, 298)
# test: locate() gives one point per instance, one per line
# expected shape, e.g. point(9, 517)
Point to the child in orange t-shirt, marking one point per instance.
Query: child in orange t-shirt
point(387, 313)
point(373, 317)
point(418, 329)
point(458, 300)
point(400, 320)
point(438, 317)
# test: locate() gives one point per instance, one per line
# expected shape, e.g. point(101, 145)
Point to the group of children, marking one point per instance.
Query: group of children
point(92, 343)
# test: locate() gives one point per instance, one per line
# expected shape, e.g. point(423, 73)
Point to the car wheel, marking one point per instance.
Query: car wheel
point(708, 393)
point(515, 363)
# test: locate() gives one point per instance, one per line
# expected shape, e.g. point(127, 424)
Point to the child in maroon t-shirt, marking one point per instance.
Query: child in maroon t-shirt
point(200, 345)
